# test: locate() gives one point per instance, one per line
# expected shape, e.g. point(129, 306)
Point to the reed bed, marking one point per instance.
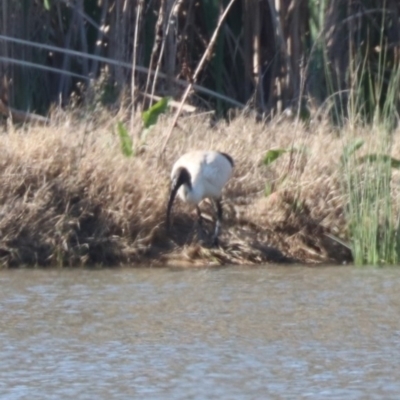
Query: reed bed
point(69, 197)
point(273, 55)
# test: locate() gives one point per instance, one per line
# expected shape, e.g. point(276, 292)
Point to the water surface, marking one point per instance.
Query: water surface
point(234, 333)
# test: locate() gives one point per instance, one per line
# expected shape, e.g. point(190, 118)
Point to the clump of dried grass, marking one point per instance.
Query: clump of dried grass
point(69, 196)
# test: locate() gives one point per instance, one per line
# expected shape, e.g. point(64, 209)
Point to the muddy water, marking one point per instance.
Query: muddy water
point(235, 333)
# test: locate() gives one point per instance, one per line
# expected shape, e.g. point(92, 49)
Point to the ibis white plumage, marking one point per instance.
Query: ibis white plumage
point(198, 175)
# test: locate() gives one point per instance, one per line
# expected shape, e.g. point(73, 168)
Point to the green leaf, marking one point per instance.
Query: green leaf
point(143, 135)
point(46, 4)
point(371, 158)
point(151, 115)
point(272, 155)
point(125, 139)
point(267, 189)
point(350, 149)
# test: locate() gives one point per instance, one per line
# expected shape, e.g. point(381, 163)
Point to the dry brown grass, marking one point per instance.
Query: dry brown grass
point(69, 197)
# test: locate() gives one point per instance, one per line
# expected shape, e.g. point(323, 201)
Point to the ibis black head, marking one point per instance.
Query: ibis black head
point(181, 177)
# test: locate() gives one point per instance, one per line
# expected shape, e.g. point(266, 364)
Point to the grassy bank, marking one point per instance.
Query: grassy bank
point(69, 197)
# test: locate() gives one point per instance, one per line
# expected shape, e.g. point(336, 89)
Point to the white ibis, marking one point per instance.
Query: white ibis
point(198, 175)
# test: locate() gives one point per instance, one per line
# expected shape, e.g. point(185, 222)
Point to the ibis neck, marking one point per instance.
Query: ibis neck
point(180, 180)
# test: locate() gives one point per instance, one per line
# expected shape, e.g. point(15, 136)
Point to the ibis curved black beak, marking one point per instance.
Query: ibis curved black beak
point(181, 177)
point(174, 189)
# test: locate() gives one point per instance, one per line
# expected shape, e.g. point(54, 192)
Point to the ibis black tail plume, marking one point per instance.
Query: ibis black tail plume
point(182, 177)
point(229, 158)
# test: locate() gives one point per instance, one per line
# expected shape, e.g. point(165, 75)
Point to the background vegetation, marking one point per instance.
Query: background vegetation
point(271, 54)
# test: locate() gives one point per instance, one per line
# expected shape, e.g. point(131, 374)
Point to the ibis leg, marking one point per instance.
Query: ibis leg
point(218, 207)
point(199, 217)
point(200, 228)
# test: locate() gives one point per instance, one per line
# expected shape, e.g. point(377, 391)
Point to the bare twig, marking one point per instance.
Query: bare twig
point(187, 107)
point(171, 20)
point(134, 58)
point(21, 116)
point(280, 38)
point(5, 25)
point(100, 33)
point(9, 60)
point(85, 16)
point(110, 61)
point(157, 41)
point(196, 73)
point(63, 83)
point(84, 41)
point(170, 44)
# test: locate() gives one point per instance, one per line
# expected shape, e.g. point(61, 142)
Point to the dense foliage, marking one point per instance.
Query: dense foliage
point(272, 54)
